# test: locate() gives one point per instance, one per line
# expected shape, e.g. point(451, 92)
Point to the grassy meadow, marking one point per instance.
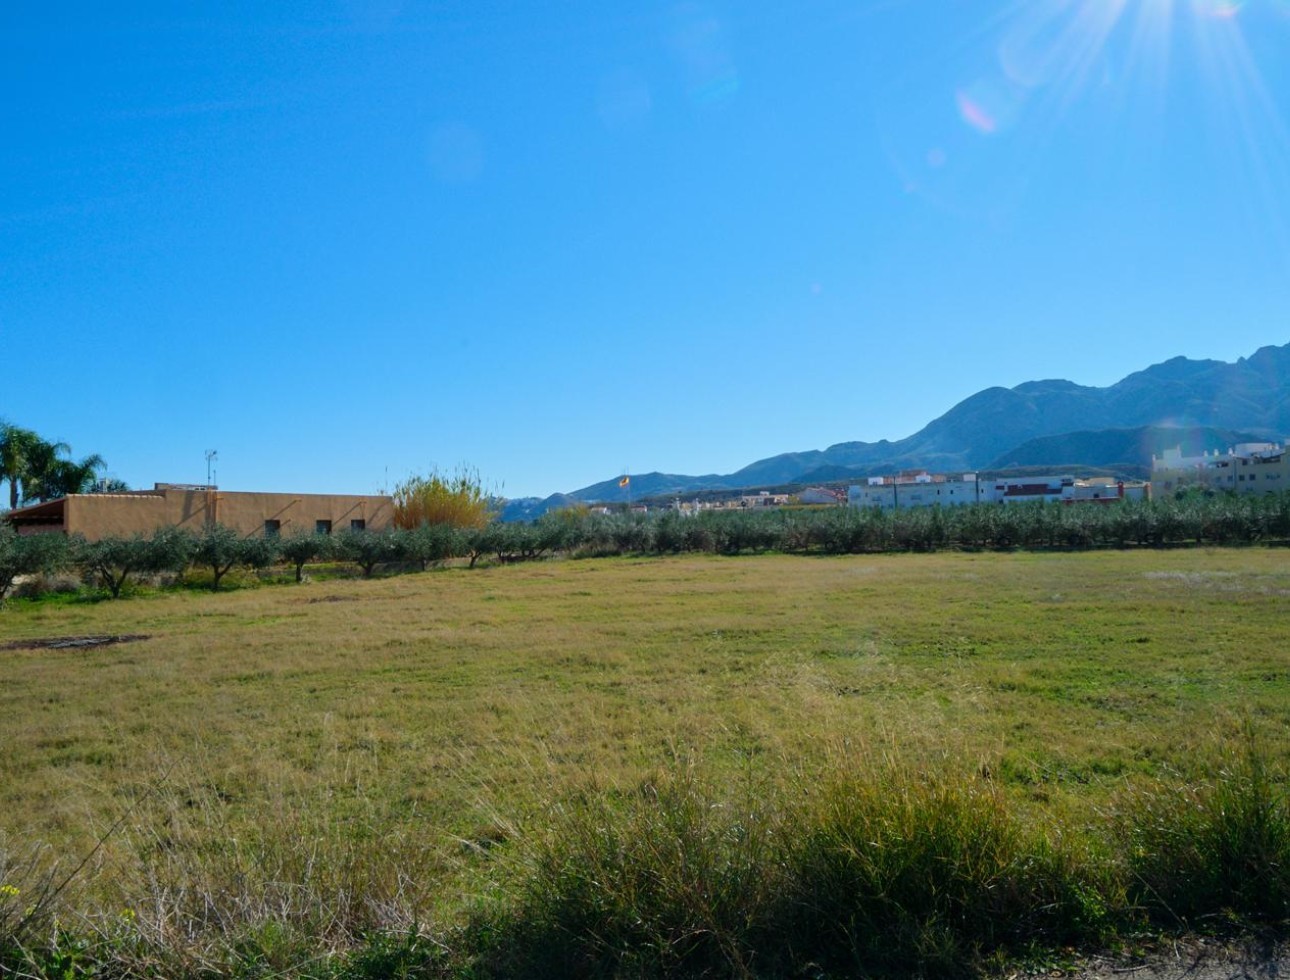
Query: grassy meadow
point(343, 757)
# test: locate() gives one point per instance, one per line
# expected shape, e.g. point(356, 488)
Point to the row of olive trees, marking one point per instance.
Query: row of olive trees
point(1189, 520)
point(1192, 519)
point(112, 561)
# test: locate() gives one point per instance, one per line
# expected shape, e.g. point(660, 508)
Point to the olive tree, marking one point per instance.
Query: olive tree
point(220, 548)
point(433, 542)
point(303, 547)
point(367, 549)
point(113, 560)
point(28, 554)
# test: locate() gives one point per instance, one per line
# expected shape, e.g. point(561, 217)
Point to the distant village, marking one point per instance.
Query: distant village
point(1246, 469)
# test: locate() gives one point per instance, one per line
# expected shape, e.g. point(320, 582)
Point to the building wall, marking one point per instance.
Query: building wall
point(114, 515)
point(952, 493)
point(816, 495)
point(1239, 474)
point(948, 493)
point(1029, 489)
point(109, 515)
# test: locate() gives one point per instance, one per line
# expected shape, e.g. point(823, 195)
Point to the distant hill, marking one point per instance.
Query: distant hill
point(531, 508)
point(1051, 422)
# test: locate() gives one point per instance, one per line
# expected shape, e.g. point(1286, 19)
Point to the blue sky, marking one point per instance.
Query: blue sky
point(342, 242)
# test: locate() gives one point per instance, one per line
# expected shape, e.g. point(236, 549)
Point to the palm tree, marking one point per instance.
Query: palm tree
point(37, 470)
point(63, 476)
point(19, 450)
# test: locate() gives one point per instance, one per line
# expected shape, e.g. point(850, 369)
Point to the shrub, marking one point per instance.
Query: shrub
point(432, 543)
point(111, 561)
point(367, 549)
point(459, 499)
point(220, 548)
point(28, 554)
point(303, 547)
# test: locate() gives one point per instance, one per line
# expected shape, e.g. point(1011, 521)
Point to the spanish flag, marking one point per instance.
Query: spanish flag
point(624, 481)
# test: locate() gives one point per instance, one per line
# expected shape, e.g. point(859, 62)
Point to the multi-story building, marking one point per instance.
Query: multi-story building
point(927, 490)
point(920, 489)
point(1247, 468)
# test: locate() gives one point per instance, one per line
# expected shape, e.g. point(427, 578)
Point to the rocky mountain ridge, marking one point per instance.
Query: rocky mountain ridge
point(1203, 403)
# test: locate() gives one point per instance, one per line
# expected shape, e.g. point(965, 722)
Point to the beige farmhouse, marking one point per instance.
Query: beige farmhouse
point(102, 515)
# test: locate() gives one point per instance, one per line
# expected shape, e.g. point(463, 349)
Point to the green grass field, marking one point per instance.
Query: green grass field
point(364, 754)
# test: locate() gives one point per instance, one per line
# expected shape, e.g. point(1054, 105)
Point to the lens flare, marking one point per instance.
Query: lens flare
point(1219, 9)
point(1054, 41)
point(698, 39)
point(1040, 64)
point(975, 115)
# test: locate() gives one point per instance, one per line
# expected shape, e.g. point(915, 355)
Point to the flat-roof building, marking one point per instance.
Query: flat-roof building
point(103, 515)
point(1247, 468)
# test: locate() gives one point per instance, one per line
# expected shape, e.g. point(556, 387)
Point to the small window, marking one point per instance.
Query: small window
point(272, 528)
point(322, 527)
point(358, 524)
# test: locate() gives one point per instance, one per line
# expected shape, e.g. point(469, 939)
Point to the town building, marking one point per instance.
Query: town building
point(923, 489)
point(920, 489)
point(102, 515)
point(1031, 489)
point(825, 496)
point(763, 498)
point(1247, 468)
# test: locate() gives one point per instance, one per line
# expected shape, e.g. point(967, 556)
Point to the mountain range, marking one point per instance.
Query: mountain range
point(1201, 404)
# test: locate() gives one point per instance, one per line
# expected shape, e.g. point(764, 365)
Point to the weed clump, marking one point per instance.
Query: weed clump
point(888, 871)
point(902, 871)
point(1211, 855)
point(668, 880)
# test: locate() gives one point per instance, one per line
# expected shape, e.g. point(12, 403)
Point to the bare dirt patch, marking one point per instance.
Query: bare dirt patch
point(73, 642)
point(1195, 959)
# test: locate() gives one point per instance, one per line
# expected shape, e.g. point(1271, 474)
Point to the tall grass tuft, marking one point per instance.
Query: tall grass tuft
point(27, 891)
point(897, 871)
point(1212, 854)
point(666, 880)
point(890, 871)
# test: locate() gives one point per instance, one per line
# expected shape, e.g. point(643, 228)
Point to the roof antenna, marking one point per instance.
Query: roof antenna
point(211, 456)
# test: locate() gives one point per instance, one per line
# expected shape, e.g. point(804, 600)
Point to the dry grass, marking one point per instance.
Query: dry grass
point(370, 742)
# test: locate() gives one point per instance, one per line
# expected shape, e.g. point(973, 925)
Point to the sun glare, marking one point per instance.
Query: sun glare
point(960, 133)
point(1068, 43)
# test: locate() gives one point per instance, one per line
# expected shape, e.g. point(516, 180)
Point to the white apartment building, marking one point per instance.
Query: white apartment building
point(926, 490)
point(920, 490)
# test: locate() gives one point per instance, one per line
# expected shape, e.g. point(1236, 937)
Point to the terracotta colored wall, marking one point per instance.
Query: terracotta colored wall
point(112, 515)
point(247, 512)
point(107, 515)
